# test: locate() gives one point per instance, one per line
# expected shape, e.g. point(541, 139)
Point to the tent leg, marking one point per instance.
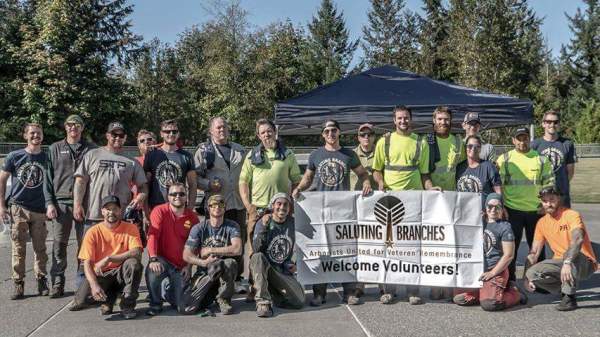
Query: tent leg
point(532, 131)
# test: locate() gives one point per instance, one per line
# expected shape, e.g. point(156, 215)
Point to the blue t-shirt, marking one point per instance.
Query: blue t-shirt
point(560, 153)
point(332, 168)
point(166, 168)
point(480, 179)
point(205, 235)
point(493, 235)
point(28, 172)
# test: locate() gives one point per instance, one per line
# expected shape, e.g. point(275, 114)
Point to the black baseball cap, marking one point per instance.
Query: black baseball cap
point(331, 124)
point(472, 117)
point(521, 131)
point(548, 190)
point(114, 126)
point(111, 199)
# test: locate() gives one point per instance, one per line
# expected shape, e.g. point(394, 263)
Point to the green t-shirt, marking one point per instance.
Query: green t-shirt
point(445, 169)
point(527, 178)
point(402, 151)
point(271, 177)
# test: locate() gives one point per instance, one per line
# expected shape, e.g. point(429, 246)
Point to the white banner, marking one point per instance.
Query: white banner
point(423, 238)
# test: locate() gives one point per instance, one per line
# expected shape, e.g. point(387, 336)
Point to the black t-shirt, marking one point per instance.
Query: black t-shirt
point(332, 168)
point(166, 168)
point(560, 153)
point(493, 235)
point(205, 235)
point(276, 241)
point(27, 172)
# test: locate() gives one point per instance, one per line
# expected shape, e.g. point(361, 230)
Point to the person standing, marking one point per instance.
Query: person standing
point(573, 261)
point(170, 227)
point(402, 163)
point(271, 263)
point(524, 172)
point(476, 175)
point(218, 164)
point(472, 126)
point(168, 164)
point(365, 152)
point(111, 253)
point(146, 141)
point(561, 153)
point(329, 166)
point(27, 169)
point(446, 150)
point(64, 157)
point(212, 246)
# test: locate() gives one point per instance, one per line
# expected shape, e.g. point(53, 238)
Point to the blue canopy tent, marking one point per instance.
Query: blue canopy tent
point(371, 95)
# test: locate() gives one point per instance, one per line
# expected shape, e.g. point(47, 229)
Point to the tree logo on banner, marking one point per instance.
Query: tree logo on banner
point(389, 211)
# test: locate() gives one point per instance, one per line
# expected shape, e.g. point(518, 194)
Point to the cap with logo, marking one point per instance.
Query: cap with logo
point(472, 117)
point(114, 126)
point(331, 124)
point(111, 199)
point(365, 126)
point(521, 131)
point(548, 190)
point(216, 199)
point(76, 119)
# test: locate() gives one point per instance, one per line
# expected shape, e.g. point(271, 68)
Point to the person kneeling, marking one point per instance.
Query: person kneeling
point(271, 264)
point(497, 293)
point(111, 253)
point(218, 242)
point(573, 259)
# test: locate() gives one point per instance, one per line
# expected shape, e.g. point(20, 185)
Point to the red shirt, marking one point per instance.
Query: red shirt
point(168, 233)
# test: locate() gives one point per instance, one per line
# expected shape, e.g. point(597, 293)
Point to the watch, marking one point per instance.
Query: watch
point(154, 259)
point(567, 261)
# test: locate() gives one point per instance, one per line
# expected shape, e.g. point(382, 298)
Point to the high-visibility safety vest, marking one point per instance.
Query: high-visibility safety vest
point(402, 159)
point(523, 176)
point(444, 173)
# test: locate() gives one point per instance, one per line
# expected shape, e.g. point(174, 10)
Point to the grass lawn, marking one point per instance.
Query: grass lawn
point(585, 186)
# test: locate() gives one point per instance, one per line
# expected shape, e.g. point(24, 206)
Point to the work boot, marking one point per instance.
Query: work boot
point(58, 288)
point(317, 301)
point(42, 284)
point(19, 291)
point(465, 299)
point(352, 300)
point(106, 309)
point(415, 300)
point(225, 306)
point(567, 303)
point(128, 313)
point(264, 310)
point(386, 299)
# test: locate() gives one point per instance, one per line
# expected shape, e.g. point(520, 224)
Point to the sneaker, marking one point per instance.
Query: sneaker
point(57, 291)
point(415, 300)
point(251, 294)
point(106, 309)
point(128, 313)
point(19, 291)
point(42, 285)
point(225, 306)
point(317, 301)
point(567, 303)
point(264, 310)
point(77, 306)
point(465, 299)
point(240, 288)
point(386, 299)
point(353, 300)
point(153, 311)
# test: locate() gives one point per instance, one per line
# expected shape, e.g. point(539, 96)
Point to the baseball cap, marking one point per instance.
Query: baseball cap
point(472, 117)
point(365, 126)
point(111, 199)
point(74, 119)
point(493, 196)
point(521, 131)
point(279, 196)
point(216, 199)
point(331, 124)
point(115, 126)
point(548, 190)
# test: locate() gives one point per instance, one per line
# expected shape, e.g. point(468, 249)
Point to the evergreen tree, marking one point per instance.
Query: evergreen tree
point(381, 35)
point(330, 41)
point(434, 61)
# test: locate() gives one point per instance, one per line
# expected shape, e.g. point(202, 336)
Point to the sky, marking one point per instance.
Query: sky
point(165, 20)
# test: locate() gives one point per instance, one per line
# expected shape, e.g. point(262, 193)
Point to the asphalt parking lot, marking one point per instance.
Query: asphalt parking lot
point(37, 316)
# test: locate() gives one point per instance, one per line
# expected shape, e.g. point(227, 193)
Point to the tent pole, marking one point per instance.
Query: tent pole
point(532, 131)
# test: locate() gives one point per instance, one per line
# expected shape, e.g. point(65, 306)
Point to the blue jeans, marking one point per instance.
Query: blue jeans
point(174, 289)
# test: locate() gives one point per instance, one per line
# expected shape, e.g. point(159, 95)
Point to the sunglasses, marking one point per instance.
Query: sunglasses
point(118, 135)
point(219, 205)
point(492, 207)
point(547, 121)
point(73, 125)
point(331, 131)
point(170, 132)
point(177, 194)
point(473, 146)
point(366, 134)
point(145, 140)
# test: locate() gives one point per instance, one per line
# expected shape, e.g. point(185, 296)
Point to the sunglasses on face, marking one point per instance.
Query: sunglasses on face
point(145, 140)
point(365, 134)
point(330, 131)
point(170, 132)
point(473, 146)
point(177, 194)
point(118, 135)
point(219, 205)
point(73, 125)
point(493, 207)
point(547, 121)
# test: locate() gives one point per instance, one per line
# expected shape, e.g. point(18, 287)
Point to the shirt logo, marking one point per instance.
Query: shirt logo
point(30, 174)
point(469, 183)
point(110, 166)
point(168, 172)
point(557, 158)
point(332, 172)
point(489, 242)
point(279, 248)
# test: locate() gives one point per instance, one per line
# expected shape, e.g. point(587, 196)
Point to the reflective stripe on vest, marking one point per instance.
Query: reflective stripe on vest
point(405, 168)
point(523, 182)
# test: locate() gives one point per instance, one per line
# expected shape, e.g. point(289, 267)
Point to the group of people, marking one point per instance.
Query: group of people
point(195, 260)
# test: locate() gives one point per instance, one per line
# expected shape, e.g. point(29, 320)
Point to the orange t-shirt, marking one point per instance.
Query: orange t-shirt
point(101, 241)
point(557, 232)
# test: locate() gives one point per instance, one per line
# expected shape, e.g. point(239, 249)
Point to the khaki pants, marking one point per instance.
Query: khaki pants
point(274, 286)
point(546, 274)
point(24, 222)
